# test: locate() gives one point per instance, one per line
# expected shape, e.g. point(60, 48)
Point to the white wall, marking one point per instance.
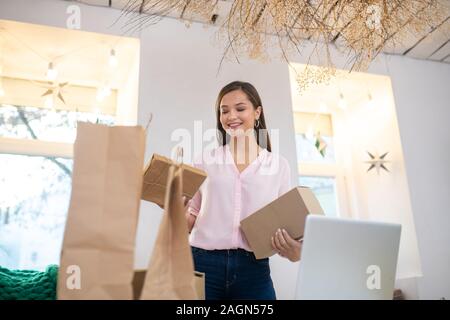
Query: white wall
point(360, 128)
point(422, 94)
point(383, 196)
point(178, 84)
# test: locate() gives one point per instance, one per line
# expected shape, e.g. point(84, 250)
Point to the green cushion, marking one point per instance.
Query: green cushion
point(28, 284)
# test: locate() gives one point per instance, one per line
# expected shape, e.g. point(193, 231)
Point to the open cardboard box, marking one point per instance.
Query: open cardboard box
point(287, 212)
point(139, 278)
point(155, 179)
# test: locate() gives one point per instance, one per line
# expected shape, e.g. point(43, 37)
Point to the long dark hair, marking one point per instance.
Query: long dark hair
point(261, 134)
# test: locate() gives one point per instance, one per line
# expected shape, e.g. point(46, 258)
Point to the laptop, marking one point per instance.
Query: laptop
point(347, 259)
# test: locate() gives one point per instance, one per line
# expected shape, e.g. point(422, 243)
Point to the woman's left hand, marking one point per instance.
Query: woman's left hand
point(286, 246)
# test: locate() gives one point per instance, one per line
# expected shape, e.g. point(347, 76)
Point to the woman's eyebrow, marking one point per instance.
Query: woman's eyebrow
point(237, 104)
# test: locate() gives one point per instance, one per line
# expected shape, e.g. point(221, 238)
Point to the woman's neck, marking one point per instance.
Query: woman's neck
point(244, 149)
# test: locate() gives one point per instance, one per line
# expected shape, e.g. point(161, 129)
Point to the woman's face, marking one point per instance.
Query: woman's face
point(237, 114)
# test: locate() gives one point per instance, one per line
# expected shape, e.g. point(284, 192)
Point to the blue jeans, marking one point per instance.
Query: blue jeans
point(234, 274)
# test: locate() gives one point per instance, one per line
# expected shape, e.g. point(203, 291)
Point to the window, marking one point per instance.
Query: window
point(314, 137)
point(51, 78)
point(35, 189)
point(324, 189)
point(316, 158)
point(307, 151)
point(33, 208)
point(44, 124)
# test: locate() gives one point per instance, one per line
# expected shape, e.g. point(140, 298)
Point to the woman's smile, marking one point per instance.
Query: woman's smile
point(234, 125)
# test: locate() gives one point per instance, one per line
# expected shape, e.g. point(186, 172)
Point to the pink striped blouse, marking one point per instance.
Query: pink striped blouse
point(228, 196)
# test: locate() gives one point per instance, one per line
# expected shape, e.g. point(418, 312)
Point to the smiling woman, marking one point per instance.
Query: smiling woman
point(243, 176)
point(239, 110)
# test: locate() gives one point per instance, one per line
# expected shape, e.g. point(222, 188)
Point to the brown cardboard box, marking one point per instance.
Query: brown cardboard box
point(288, 211)
point(139, 278)
point(155, 179)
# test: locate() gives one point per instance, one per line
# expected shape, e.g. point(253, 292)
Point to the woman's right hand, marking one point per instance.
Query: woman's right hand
point(190, 218)
point(185, 204)
point(286, 246)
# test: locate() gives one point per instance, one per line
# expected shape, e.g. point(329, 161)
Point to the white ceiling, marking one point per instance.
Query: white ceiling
point(433, 44)
point(80, 57)
point(355, 88)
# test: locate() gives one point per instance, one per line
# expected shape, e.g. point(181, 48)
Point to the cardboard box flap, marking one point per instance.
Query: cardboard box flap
point(310, 201)
point(287, 212)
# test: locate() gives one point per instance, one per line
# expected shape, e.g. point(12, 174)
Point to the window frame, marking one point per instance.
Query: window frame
point(30, 147)
point(36, 147)
point(328, 170)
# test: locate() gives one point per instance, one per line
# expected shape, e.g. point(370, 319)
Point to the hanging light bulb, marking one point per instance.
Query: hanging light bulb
point(52, 73)
point(113, 58)
point(370, 102)
point(342, 103)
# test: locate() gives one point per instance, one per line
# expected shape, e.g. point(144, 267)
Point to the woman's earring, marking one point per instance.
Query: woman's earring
point(257, 123)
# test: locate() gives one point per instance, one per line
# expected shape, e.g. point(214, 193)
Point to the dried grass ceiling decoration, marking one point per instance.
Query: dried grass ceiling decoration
point(263, 29)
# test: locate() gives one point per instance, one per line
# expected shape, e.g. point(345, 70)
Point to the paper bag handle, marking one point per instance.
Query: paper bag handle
point(150, 118)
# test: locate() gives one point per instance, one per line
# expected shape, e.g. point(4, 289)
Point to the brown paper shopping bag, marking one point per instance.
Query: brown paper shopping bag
point(99, 239)
point(170, 274)
point(139, 278)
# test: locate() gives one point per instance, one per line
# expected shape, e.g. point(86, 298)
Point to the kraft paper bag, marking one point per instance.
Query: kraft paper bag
point(99, 239)
point(200, 284)
point(139, 277)
point(288, 211)
point(170, 275)
point(155, 179)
